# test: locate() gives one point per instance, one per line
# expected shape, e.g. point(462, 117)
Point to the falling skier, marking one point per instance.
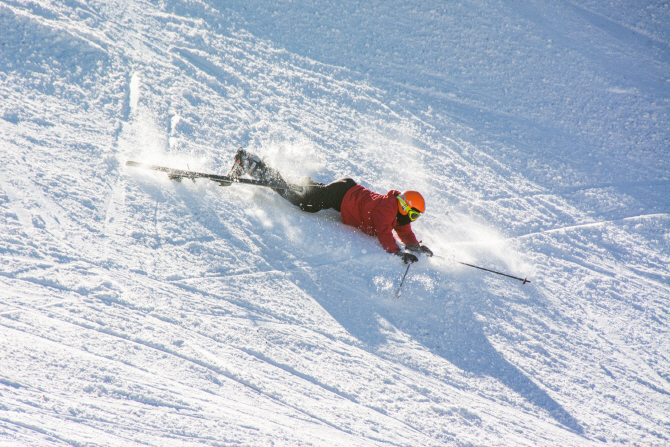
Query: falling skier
point(374, 214)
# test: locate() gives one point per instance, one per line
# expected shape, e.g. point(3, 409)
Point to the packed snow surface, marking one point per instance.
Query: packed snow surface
point(135, 310)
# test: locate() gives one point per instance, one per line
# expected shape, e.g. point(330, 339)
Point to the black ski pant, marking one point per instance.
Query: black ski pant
point(316, 196)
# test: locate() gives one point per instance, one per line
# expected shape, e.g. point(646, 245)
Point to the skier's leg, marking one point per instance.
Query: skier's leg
point(249, 163)
point(317, 198)
point(310, 198)
point(334, 192)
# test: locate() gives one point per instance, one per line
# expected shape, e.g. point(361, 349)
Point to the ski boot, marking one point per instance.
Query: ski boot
point(248, 163)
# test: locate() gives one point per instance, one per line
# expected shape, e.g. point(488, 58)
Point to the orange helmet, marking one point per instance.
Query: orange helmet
point(411, 200)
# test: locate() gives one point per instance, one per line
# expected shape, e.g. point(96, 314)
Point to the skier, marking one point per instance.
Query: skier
point(374, 214)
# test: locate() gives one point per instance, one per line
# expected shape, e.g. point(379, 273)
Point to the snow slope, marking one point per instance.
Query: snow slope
point(139, 311)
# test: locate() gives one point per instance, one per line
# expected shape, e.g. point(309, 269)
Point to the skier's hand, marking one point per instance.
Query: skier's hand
point(420, 249)
point(407, 257)
point(427, 251)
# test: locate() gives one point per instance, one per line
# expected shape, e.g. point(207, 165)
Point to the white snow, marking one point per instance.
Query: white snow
point(139, 311)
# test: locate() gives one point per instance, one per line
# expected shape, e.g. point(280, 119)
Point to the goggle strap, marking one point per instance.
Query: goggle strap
point(404, 205)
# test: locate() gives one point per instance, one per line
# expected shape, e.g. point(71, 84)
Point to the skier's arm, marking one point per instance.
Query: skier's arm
point(385, 236)
point(406, 235)
point(384, 229)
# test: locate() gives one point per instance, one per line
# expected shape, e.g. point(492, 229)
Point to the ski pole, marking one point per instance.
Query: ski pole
point(397, 294)
point(497, 273)
point(524, 280)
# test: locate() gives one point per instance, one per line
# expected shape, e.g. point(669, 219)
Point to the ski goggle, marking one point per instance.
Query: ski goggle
point(413, 213)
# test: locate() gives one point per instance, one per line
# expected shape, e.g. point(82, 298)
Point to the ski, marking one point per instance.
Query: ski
point(222, 180)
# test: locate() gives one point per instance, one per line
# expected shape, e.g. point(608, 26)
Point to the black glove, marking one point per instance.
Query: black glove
point(427, 251)
point(407, 257)
point(420, 249)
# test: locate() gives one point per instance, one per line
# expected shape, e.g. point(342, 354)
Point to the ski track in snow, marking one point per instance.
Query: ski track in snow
point(139, 311)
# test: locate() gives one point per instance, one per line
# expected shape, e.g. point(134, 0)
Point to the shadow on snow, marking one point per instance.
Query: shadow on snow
point(452, 333)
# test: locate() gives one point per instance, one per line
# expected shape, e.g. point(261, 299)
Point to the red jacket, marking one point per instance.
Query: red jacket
point(375, 215)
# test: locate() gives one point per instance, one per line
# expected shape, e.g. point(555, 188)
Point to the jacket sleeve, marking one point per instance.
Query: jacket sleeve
point(383, 220)
point(406, 235)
